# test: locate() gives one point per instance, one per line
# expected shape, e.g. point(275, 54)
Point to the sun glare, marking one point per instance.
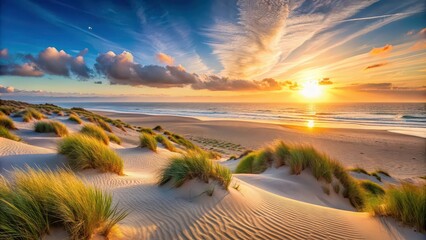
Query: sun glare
point(311, 89)
point(310, 123)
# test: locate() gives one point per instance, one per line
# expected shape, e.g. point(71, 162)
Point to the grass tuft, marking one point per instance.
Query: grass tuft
point(75, 118)
point(5, 133)
point(192, 165)
point(30, 114)
point(51, 126)
point(7, 110)
point(158, 128)
point(372, 188)
point(35, 200)
point(406, 203)
point(95, 132)
point(383, 172)
point(147, 140)
point(166, 143)
point(113, 138)
point(147, 130)
point(85, 152)
point(105, 126)
point(359, 170)
point(7, 122)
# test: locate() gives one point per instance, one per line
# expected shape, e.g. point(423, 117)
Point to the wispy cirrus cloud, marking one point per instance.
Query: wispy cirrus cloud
point(376, 65)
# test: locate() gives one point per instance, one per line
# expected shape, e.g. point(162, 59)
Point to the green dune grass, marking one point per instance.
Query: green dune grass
point(113, 138)
point(406, 203)
point(51, 126)
point(148, 141)
point(95, 132)
point(7, 122)
point(5, 133)
point(166, 143)
point(85, 152)
point(194, 165)
point(35, 200)
point(75, 118)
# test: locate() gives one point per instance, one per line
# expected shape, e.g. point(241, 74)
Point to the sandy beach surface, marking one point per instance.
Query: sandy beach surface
point(271, 205)
point(403, 156)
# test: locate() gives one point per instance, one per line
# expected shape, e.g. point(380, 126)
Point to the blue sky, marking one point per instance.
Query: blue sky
point(212, 48)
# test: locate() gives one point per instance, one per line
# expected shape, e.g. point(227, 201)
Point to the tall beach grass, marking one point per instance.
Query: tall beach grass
point(5, 133)
point(301, 157)
point(7, 122)
point(95, 132)
point(51, 126)
point(148, 141)
point(34, 200)
point(165, 142)
point(194, 165)
point(85, 152)
point(75, 118)
point(113, 138)
point(30, 113)
point(406, 203)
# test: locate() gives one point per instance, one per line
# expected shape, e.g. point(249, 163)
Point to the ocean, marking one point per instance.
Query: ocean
point(409, 118)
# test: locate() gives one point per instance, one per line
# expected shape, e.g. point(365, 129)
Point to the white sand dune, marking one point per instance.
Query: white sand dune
point(273, 205)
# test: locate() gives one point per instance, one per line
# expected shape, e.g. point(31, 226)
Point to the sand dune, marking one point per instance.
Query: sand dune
point(272, 205)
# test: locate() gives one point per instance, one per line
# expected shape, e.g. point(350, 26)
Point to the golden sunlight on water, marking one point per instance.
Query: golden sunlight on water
point(310, 123)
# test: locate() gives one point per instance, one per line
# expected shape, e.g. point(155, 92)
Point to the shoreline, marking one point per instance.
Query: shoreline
point(416, 132)
point(402, 155)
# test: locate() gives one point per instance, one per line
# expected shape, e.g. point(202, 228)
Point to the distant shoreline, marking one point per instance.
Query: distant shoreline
point(416, 132)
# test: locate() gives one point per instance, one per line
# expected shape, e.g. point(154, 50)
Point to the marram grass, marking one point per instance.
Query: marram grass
point(192, 165)
point(165, 142)
point(51, 126)
point(34, 200)
point(148, 141)
point(113, 138)
point(85, 152)
point(299, 158)
point(5, 133)
point(95, 132)
point(7, 122)
point(30, 114)
point(406, 203)
point(75, 118)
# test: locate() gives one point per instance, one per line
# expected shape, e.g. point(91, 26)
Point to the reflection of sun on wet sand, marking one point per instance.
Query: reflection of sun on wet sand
point(286, 190)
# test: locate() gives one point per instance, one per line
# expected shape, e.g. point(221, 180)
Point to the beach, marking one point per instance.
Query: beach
point(275, 203)
point(401, 155)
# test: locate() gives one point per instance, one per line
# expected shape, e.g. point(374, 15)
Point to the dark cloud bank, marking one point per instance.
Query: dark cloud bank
point(122, 70)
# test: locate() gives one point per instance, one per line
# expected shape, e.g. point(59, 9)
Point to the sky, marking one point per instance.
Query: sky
point(239, 51)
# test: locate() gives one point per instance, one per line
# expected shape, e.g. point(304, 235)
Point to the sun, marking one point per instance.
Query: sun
point(311, 89)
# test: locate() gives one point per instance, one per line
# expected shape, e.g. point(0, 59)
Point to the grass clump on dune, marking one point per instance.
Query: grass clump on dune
point(105, 126)
point(34, 200)
point(51, 126)
point(7, 110)
point(166, 143)
point(148, 141)
point(85, 152)
point(158, 128)
point(75, 118)
point(30, 114)
point(299, 158)
point(113, 138)
point(147, 130)
point(7, 122)
point(360, 170)
point(95, 132)
point(406, 203)
point(5, 133)
point(194, 165)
